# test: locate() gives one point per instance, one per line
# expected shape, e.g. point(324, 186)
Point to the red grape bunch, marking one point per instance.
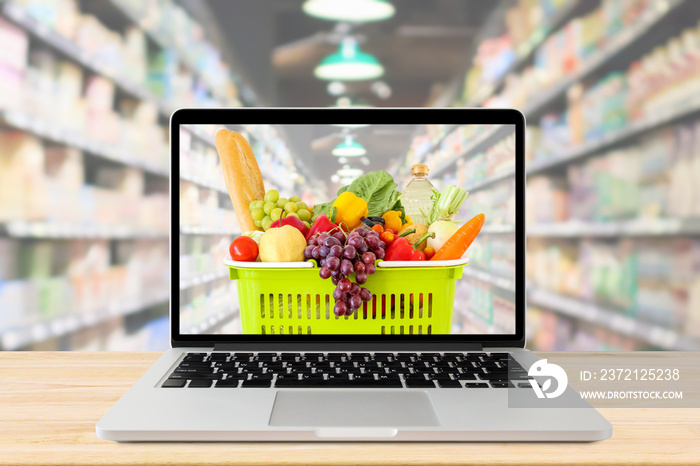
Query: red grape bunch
point(339, 257)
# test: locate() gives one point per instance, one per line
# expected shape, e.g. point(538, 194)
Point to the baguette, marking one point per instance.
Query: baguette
point(243, 178)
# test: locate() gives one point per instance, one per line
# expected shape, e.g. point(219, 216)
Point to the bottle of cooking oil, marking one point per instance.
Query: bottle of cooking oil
point(416, 197)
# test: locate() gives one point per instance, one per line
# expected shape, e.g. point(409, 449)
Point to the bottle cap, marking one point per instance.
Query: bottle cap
point(419, 169)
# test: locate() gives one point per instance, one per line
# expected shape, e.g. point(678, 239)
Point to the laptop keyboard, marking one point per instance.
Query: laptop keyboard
point(345, 370)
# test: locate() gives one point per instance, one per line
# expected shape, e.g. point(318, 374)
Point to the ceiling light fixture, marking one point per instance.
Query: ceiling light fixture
point(347, 102)
point(349, 63)
point(336, 88)
point(349, 148)
point(349, 10)
point(349, 172)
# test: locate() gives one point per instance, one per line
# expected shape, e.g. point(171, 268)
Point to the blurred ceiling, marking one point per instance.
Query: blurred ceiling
point(424, 47)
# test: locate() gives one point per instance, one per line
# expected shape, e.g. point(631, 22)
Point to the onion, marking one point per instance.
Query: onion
point(443, 230)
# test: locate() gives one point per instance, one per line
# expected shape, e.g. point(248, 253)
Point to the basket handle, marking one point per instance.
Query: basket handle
point(232, 273)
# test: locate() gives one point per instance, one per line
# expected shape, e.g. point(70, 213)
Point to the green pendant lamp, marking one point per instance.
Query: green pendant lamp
point(349, 63)
point(349, 148)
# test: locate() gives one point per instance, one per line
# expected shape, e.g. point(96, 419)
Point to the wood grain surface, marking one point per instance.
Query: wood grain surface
point(50, 402)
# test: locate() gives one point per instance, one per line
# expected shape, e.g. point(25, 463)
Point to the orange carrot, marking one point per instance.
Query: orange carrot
point(458, 243)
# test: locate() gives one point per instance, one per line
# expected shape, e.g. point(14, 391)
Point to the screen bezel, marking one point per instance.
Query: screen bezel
point(305, 116)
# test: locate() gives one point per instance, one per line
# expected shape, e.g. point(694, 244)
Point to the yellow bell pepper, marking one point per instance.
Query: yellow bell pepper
point(392, 219)
point(351, 209)
point(409, 220)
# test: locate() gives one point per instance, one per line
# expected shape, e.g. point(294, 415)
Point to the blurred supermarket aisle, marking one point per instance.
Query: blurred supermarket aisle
point(610, 90)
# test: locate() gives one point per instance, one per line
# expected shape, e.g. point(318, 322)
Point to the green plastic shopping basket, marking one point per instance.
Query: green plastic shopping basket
point(284, 299)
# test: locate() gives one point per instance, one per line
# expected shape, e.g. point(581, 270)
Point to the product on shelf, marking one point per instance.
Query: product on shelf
point(550, 331)
point(647, 179)
point(568, 50)
point(13, 62)
point(54, 280)
point(650, 280)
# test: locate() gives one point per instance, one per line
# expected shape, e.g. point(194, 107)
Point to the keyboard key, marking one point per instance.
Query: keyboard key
point(418, 383)
point(296, 383)
point(405, 357)
point(476, 385)
point(499, 384)
point(289, 356)
point(448, 383)
point(256, 383)
point(194, 370)
point(193, 359)
point(197, 376)
point(174, 383)
point(194, 364)
point(200, 383)
point(227, 383)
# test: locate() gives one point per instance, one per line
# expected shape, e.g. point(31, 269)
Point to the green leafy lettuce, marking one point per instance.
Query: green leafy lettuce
point(377, 188)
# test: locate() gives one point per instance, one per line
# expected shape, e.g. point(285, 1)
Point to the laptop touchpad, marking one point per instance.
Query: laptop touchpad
point(357, 408)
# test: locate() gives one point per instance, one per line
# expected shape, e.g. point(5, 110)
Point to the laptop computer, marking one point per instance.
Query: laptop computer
point(435, 354)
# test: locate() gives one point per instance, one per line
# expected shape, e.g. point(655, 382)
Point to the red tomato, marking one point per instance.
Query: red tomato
point(243, 249)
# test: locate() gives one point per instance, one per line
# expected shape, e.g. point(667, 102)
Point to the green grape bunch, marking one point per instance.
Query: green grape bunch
point(273, 207)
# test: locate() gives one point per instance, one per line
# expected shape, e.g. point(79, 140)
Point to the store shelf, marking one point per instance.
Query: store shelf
point(619, 44)
point(68, 48)
point(200, 135)
point(202, 182)
point(40, 229)
point(641, 227)
point(13, 339)
point(479, 185)
point(213, 321)
point(489, 278)
point(203, 278)
point(670, 114)
point(483, 141)
point(434, 145)
point(484, 327)
point(525, 51)
point(50, 131)
point(497, 229)
point(141, 21)
point(205, 230)
point(612, 319)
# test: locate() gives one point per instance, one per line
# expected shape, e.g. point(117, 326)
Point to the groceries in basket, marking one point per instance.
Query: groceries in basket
point(347, 237)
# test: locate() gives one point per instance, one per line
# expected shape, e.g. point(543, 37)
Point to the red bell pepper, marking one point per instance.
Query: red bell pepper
point(402, 250)
point(293, 221)
point(321, 225)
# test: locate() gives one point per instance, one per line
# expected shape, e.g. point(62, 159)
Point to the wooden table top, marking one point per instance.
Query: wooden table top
point(50, 403)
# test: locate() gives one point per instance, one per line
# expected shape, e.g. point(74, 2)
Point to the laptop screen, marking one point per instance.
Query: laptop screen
point(377, 229)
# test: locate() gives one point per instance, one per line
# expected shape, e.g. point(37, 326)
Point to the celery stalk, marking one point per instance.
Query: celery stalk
point(447, 204)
